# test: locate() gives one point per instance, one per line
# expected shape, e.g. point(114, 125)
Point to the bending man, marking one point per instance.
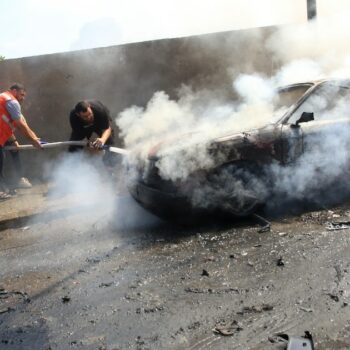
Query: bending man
point(90, 117)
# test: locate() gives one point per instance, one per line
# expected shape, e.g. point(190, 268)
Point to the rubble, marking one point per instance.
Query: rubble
point(227, 330)
point(255, 309)
point(280, 261)
point(265, 225)
point(205, 273)
point(65, 299)
point(341, 225)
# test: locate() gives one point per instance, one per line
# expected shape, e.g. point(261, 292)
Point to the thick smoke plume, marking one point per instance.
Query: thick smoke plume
point(97, 193)
point(186, 126)
point(87, 189)
point(80, 201)
point(83, 181)
point(180, 132)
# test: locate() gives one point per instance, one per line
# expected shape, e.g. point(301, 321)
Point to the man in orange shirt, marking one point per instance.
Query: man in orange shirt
point(11, 118)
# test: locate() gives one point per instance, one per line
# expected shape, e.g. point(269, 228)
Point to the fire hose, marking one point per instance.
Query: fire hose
point(66, 143)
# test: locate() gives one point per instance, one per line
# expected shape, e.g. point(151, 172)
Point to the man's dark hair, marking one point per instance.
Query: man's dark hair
point(81, 106)
point(17, 86)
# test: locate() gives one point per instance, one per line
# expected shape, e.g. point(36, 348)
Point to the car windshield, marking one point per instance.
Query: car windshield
point(266, 113)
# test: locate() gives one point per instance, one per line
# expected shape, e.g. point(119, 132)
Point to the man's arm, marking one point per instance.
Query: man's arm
point(14, 109)
point(28, 132)
point(99, 142)
point(102, 121)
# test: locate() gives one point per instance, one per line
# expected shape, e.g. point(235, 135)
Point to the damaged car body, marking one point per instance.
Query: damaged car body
point(239, 179)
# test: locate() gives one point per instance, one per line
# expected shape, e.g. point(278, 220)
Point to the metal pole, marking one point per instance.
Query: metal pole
point(311, 9)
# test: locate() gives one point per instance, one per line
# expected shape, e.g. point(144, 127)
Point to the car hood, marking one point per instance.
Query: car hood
point(193, 139)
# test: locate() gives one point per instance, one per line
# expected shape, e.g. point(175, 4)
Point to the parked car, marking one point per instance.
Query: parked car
point(242, 175)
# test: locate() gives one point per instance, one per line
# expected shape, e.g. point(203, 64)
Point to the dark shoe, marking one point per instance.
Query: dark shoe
point(23, 182)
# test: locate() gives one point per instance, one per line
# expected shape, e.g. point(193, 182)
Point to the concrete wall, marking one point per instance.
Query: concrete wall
point(125, 75)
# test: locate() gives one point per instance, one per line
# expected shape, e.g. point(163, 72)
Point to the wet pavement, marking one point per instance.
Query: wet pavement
point(76, 277)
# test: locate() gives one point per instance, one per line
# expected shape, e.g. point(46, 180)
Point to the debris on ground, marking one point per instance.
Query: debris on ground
point(65, 299)
point(341, 225)
point(280, 261)
point(205, 273)
point(6, 297)
point(278, 338)
point(255, 309)
point(227, 330)
point(159, 287)
point(305, 309)
point(265, 225)
point(294, 343)
point(210, 259)
point(212, 291)
point(5, 294)
point(7, 309)
point(334, 296)
point(94, 260)
point(104, 284)
point(301, 343)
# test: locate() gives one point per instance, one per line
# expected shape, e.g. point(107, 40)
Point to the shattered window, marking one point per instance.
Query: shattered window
point(327, 102)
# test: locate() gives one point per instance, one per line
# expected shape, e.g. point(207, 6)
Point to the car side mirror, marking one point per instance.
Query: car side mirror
point(305, 117)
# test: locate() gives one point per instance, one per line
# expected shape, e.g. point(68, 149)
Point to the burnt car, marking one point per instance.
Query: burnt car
point(298, 150)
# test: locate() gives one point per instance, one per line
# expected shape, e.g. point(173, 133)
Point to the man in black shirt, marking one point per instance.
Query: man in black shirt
point(89, 117)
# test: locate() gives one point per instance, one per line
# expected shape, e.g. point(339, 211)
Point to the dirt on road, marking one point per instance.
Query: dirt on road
point(73, 277)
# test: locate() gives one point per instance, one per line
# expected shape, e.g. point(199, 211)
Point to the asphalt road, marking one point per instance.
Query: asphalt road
point(75, 275)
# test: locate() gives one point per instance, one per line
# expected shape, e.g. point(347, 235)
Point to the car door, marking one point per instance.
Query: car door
point(292, 143)
point(321, 122)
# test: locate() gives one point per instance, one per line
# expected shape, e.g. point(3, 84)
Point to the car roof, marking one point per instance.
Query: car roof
point(339, 82)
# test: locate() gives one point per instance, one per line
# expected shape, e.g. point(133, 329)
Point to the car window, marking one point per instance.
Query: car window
point(328, 101)
point(287, 97)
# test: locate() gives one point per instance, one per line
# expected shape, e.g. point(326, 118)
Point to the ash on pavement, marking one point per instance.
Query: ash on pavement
point(75, 278)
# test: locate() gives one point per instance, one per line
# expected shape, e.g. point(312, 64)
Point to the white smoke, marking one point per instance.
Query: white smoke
point(299, 71)
point(85, 185)
point(322, 44)
point(325, 161)
point(95, 192)
point(83, 217)
point(180, 132)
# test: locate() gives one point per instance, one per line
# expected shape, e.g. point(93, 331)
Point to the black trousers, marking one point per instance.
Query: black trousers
point(16, 163)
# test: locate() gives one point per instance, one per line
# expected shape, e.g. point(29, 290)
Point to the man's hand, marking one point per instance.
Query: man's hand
point(36, 143)
point(12, 141)
point(98, 143)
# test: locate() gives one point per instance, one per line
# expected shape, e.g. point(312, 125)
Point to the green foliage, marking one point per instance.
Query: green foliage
point(2, 58)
